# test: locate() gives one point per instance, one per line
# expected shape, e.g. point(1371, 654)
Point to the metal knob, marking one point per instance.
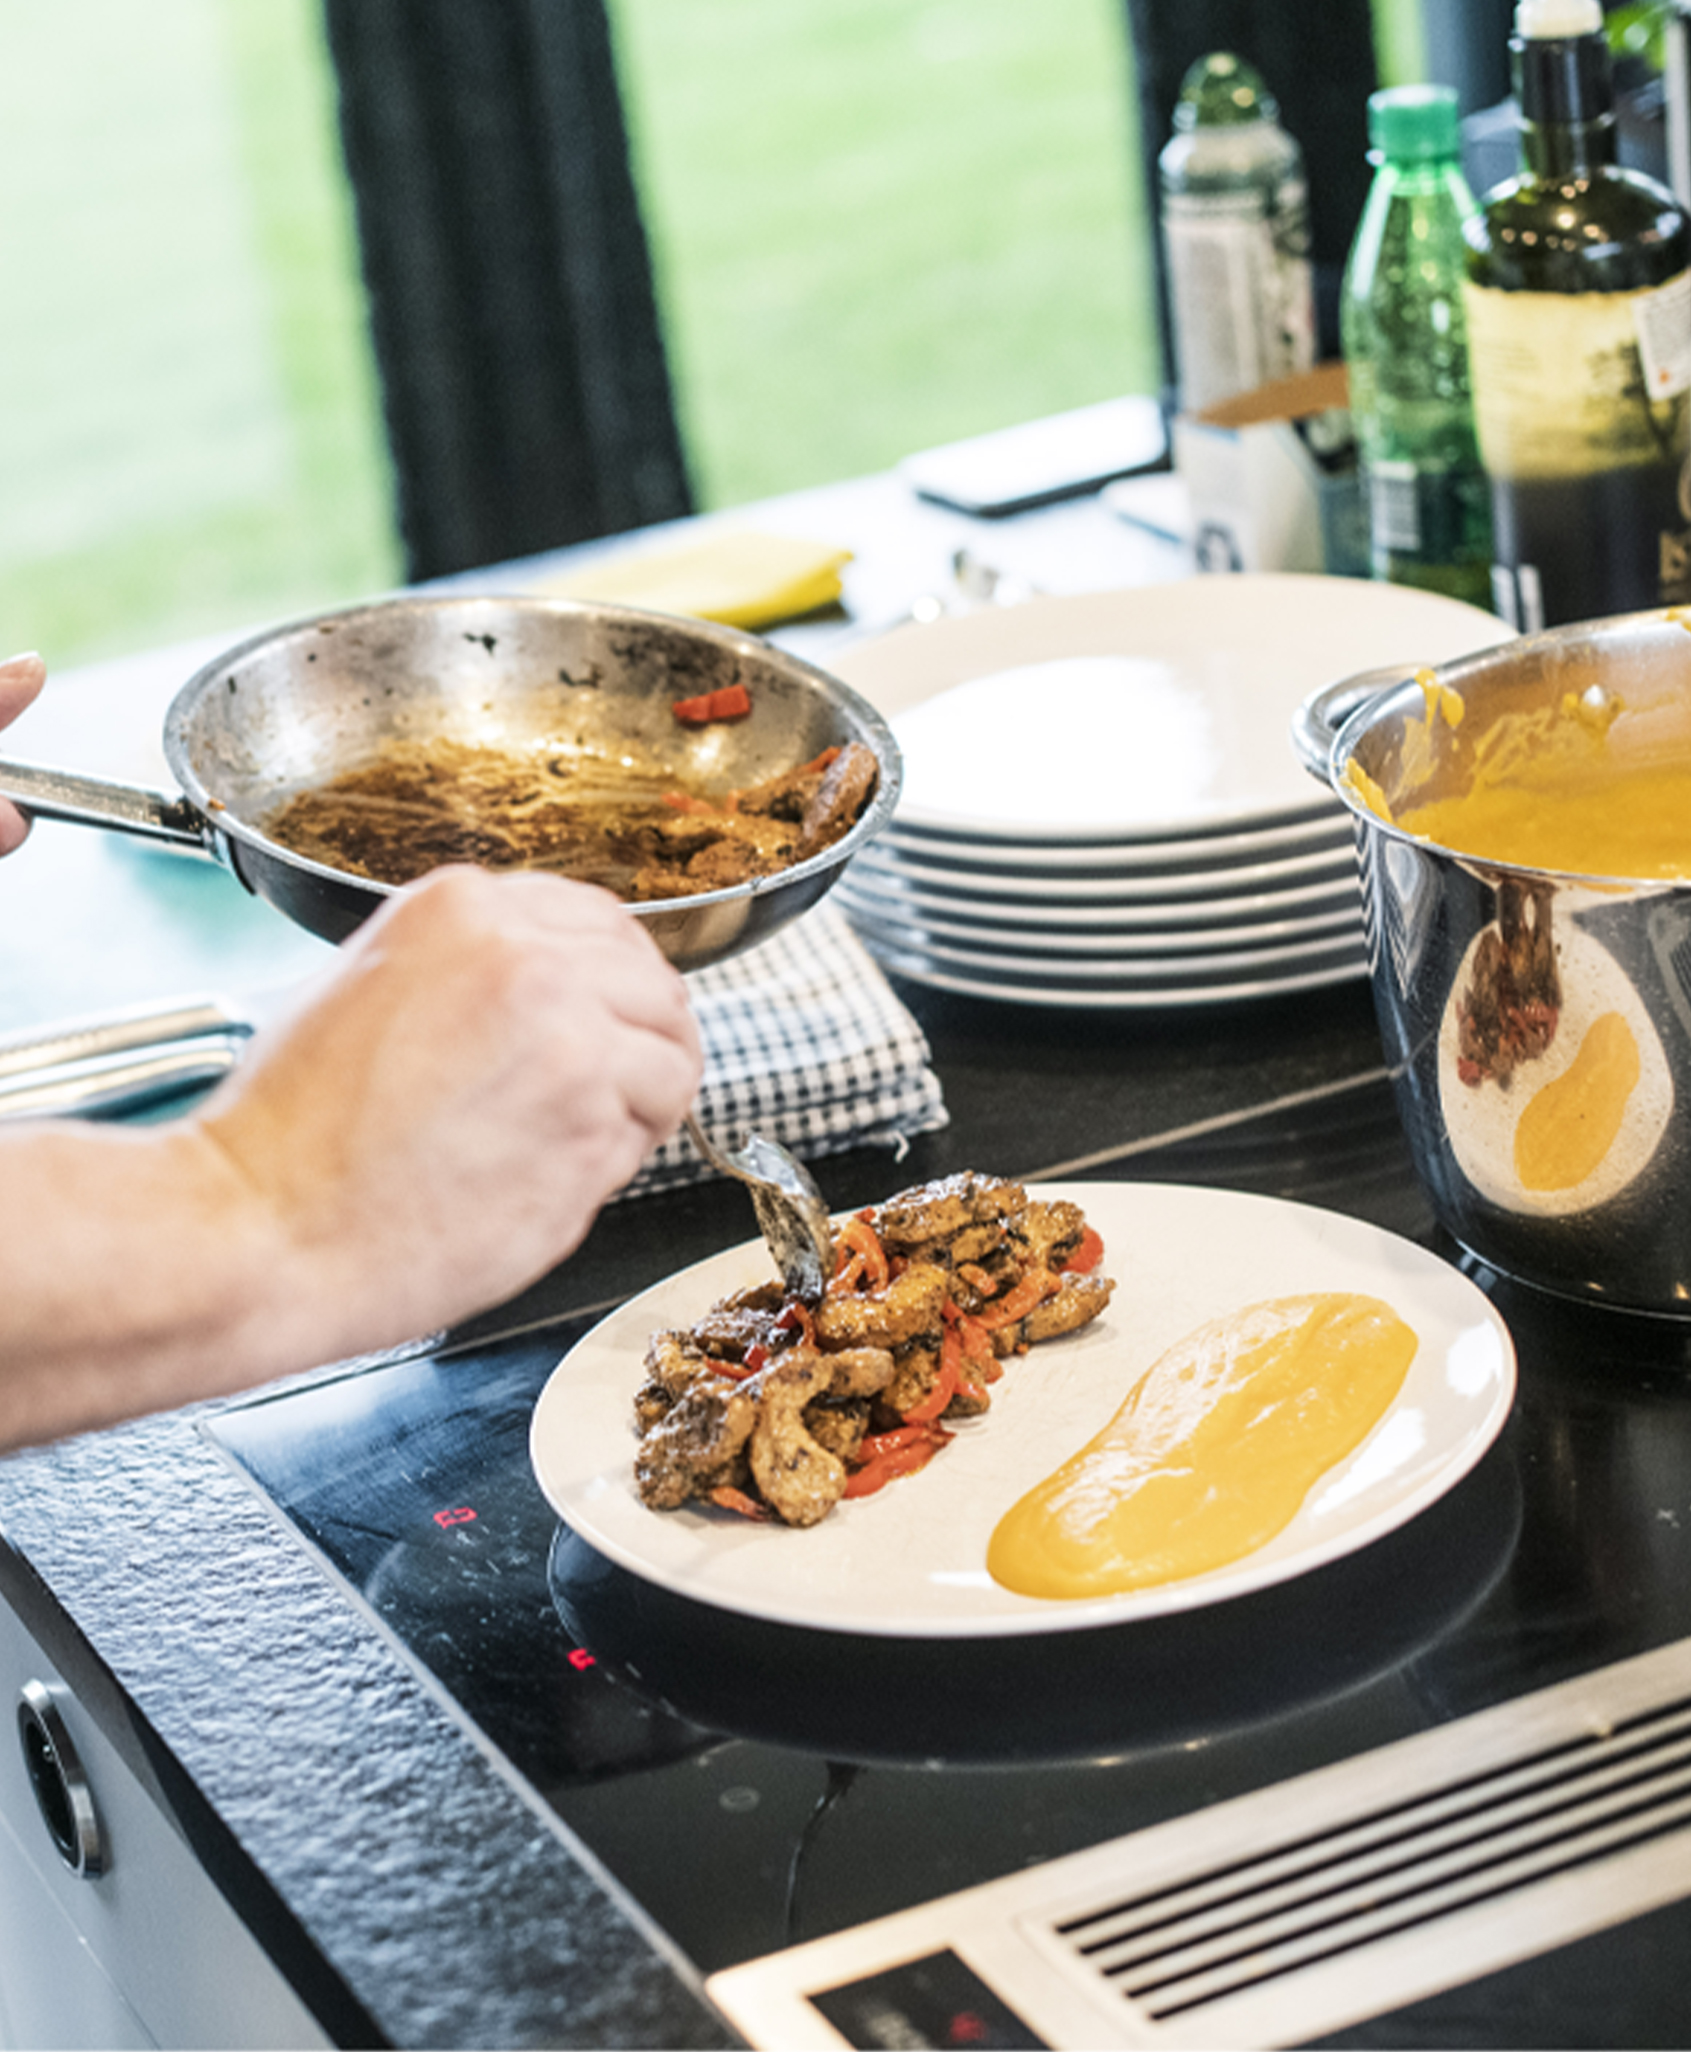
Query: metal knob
point(62, 1794)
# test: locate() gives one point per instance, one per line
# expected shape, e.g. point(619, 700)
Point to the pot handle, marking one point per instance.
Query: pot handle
point(1316, 723)
point(92, 801)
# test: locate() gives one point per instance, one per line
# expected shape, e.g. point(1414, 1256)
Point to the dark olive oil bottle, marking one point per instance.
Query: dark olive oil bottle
point(1578, 304)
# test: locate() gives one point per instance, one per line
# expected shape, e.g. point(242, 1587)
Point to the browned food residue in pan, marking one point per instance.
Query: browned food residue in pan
point(637, 830)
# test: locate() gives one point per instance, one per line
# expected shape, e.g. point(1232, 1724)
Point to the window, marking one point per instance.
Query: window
point(190, 437)
point(882, 224)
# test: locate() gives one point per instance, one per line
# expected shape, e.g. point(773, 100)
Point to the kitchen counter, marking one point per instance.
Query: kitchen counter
point(408, 1884)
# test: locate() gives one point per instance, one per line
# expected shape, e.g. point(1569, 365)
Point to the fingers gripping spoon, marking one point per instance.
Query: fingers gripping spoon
point(790, 1208)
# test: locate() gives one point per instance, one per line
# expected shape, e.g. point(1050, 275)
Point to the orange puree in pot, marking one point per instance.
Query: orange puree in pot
point(1214, 1450)
point(1581, 787)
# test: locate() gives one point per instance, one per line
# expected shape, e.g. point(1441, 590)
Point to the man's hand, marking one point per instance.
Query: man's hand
point(485, 1062)
point(492, 1058)
point(20, 679)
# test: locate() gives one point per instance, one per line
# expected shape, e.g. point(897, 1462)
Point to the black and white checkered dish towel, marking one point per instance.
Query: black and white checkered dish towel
point(805, 1043)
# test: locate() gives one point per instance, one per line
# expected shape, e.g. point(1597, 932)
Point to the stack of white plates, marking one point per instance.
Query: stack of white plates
point(1101, 804)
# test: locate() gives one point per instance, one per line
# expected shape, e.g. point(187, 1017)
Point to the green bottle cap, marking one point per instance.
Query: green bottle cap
point(1414, 124)
point(1220, 91)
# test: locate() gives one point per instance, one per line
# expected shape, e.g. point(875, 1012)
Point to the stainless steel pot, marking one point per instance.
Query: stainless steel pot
point(1488, 977)
point(291, 708)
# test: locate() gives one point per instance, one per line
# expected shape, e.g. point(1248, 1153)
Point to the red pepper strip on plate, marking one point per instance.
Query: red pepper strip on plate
point(1015, 1305)
point(945, 1382)
point(738, 1500)
point(874, 1444)
point(903, 1459)
point(977, 1347)
point(966, 1346)
point(858, 1240)
point(733, 702)
point(795, 1318)
point(1087, 1255)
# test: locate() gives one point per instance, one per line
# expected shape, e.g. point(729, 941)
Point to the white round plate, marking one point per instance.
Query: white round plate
point(1320, 864)
point(1129, 971)
point(1327, 828)
point(1139, 712)
point(911, 1560)
point(896, 896)
point(1071, 997)
point(918, 928)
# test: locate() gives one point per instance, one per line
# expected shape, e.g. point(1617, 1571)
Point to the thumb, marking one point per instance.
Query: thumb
point(21, 677)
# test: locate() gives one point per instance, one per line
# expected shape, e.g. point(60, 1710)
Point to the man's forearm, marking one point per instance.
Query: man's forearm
point(136, 1271)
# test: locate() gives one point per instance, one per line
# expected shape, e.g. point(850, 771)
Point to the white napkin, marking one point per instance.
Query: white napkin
point(805, 1042)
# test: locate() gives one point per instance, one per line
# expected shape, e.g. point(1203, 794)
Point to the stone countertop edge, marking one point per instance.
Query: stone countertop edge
point(411, 1859)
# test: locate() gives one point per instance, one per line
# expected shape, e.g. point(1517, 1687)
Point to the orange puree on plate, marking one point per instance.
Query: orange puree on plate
point(1569, 1126)
point(1214, 1450)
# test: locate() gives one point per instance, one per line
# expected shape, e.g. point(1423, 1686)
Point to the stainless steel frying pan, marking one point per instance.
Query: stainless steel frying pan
point(293, 707)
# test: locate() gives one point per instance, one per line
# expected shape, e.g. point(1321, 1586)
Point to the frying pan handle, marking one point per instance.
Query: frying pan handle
point(92, 801)
point(1317, 721)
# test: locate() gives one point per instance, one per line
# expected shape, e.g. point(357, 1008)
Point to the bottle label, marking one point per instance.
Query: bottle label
point(1584, 419)
point(1663, 319)
point(1562, 387)
point(1239, 288)
point(1394, 506)
point(1419, 513)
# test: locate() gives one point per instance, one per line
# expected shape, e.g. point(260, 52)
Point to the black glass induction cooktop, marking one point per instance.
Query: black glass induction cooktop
point(838, 1778)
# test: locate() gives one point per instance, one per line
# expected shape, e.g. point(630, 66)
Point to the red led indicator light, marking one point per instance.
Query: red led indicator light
point(581, 1660)
point(967, 2028)
point(461, 1514)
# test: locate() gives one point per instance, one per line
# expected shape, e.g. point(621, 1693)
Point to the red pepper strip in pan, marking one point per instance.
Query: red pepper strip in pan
point(897, 1460)
point(686, 801)
point(733, 702)
point(738, 1500)
point(1087, 1255)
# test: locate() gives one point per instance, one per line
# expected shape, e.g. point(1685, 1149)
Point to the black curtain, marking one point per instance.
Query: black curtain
point(1317, 58)
point(516, 332)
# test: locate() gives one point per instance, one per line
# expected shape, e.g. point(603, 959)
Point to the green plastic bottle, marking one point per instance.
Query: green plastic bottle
point(1406, 352)
point(1235, 222)
point(1578, 304)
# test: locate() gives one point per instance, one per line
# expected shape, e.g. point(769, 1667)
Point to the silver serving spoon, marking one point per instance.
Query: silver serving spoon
point(790, 1209)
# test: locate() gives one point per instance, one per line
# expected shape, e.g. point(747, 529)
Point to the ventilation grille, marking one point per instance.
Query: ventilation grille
point(1472, 1842)
point(1301, 1908)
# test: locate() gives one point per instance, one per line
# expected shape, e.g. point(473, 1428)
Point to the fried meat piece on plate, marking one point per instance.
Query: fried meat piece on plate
point(798, 1476)
point(1077, 1302)
point(958, 1218)
point(909, 1308)
point(696, 1445)
point(718, 1433)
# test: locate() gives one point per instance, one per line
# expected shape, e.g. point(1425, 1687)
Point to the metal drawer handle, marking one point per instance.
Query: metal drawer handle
point(61, 1788)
